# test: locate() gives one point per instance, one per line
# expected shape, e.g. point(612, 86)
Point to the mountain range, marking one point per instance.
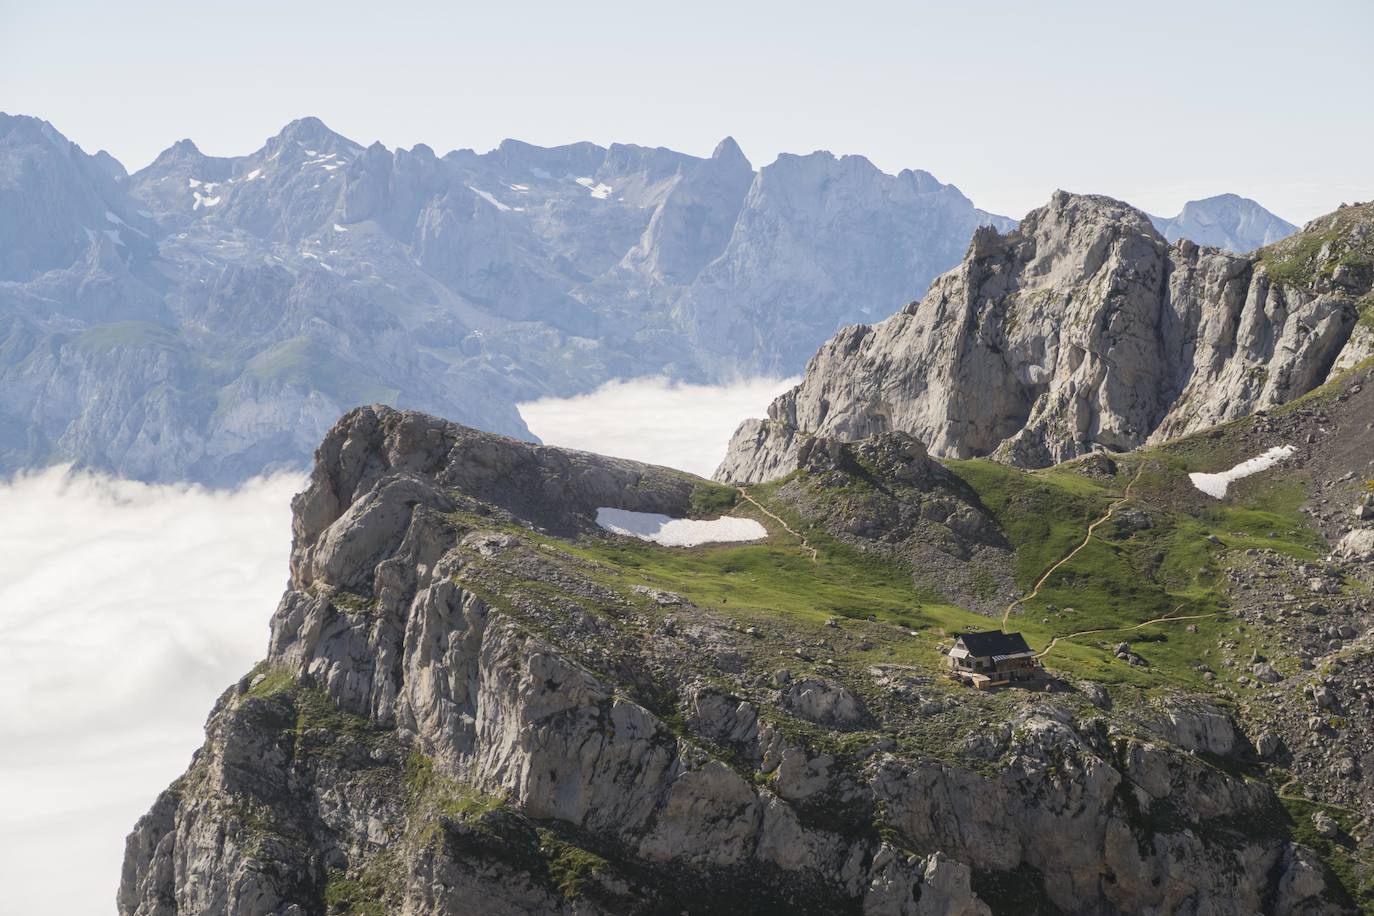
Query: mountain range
point(208, 318)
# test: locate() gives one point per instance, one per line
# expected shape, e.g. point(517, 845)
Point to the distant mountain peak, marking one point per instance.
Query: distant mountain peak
point(728, 149)
point(1227, 221)
point(310, 133)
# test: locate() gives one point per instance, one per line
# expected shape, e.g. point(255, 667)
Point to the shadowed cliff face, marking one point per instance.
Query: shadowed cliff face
point(1084, 329)
point(474, 701)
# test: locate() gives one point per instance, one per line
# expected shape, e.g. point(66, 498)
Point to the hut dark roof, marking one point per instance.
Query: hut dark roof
point(994, 642)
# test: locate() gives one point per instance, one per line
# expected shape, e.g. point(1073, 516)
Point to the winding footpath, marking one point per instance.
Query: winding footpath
point(1039, 583)
point(806, 545)
point(1165, 619)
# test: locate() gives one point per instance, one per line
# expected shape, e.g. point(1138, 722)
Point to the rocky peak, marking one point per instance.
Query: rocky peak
point(728, 150)
point(1083, 329)
point(59, 201)
point(309, 133)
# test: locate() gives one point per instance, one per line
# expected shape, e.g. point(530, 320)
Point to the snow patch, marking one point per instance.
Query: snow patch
point(203, 201)
point(1215, 485)
point(338, 228)
point(488, 198)
point(599, 191)
point(114, 218)
point(253, 175)
point(519, 187)
point(679, 532)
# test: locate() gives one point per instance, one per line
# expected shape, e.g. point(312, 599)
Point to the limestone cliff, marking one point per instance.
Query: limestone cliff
point(1084, 329)
point(474, 701)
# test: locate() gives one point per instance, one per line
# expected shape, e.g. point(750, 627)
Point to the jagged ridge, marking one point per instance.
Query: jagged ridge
point(1084, 329)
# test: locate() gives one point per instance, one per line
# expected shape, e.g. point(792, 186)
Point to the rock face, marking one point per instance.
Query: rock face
point(1227, 221)
point(210, 317)
point(1083, 329)
point(460, 712)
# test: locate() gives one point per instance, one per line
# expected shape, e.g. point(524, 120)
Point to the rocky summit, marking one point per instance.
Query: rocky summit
point(476, 700)
point(1084, 329)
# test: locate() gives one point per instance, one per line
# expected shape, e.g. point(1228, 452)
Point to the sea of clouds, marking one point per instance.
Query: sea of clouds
point(127, 608)
point(654, 419)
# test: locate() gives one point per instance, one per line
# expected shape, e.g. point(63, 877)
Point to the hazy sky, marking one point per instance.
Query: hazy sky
point(1155, 103)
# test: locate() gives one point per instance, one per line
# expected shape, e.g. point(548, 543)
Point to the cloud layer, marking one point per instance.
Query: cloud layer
point(125, 610)
point(654, 420)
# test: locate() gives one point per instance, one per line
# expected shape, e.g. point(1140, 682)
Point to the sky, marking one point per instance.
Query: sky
point(127, 608)
point(1153, 103)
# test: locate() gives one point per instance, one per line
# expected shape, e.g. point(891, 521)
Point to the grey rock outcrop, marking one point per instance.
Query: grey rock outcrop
point(458, 715)
point(1081, 330)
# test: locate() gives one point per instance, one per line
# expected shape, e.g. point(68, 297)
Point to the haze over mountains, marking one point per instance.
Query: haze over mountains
point(208, 318)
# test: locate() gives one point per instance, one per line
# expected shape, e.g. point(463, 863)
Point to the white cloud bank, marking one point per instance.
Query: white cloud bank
point(654, 420)
point(125, 610)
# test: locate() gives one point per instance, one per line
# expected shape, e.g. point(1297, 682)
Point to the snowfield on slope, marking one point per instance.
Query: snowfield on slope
point(679, 532)
point(1216, 484)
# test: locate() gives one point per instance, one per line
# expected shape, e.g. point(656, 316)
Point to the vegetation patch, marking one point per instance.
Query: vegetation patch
point(366, 892)
point(432, 795)
point(712, 500)
point(306, 364)
point(572, 869)
point(136, 335)
point(1043, 515)
point(1349, 870)
point(353, 602)
point(274, 681)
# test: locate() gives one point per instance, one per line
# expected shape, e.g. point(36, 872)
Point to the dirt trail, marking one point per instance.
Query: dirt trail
point(1039, 583)
point(806, 545)
point(1165, 619)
